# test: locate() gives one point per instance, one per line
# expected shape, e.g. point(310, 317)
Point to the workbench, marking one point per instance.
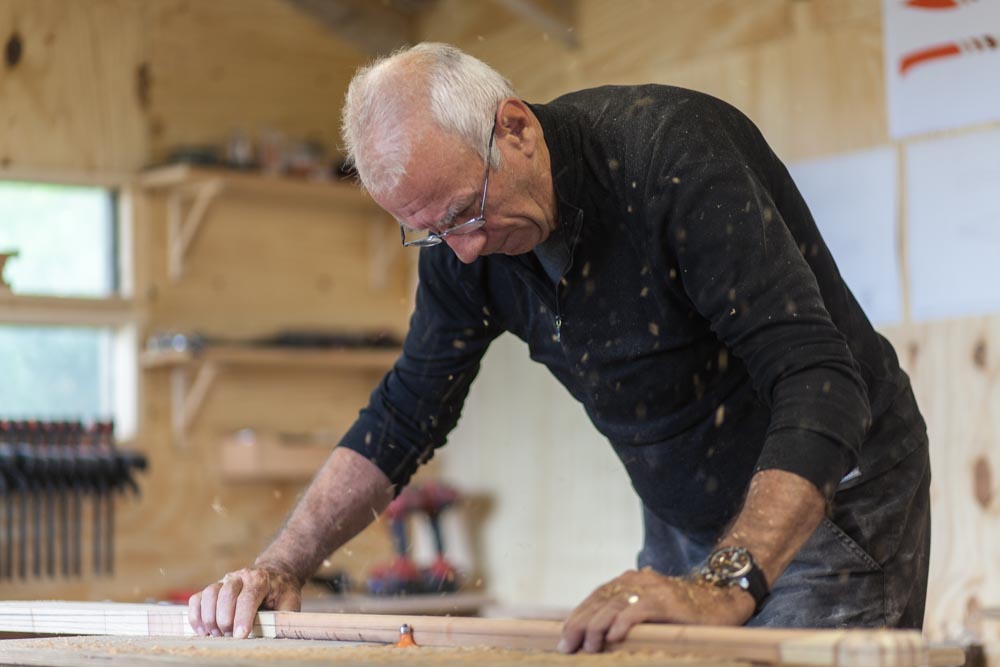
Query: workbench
point(133, 634)
point(196, 651)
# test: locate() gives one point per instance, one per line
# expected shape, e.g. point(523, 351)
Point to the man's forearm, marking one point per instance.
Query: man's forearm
point(345, 496)
point(780, 513)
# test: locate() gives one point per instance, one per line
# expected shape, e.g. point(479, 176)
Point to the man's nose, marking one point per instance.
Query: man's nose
point(467, 247)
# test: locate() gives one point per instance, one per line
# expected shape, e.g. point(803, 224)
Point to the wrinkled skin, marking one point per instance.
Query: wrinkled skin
point(227, 607)
point(606, 616)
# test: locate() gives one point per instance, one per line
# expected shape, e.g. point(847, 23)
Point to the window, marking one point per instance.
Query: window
point(67, 337)
point(66, 237)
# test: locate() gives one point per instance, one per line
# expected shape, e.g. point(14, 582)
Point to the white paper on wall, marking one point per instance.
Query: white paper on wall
point(942, 63)
point(953, 213)
point(853, 199)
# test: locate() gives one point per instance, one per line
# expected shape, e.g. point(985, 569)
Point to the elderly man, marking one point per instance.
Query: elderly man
point(656, 256)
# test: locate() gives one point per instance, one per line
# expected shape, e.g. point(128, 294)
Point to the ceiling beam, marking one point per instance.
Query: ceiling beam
point(374, 27)
point(554, 17)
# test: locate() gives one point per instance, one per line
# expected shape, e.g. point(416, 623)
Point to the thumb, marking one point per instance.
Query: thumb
point(289, 600)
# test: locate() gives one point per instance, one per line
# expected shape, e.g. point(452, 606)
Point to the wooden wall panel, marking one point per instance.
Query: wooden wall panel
point(792, 67)
point(260, 265)
point(252, 64)
point(955, 368)
point(71, 103)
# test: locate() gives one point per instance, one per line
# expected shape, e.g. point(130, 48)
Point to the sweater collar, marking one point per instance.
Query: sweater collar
point(564, 143)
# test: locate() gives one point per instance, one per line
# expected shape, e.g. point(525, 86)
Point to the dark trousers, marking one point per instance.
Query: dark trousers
point(865, 566)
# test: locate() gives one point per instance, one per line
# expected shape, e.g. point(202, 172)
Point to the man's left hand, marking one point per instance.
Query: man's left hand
point(639, 596)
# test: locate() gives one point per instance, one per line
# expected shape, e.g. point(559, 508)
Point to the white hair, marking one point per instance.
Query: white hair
point(385, 97)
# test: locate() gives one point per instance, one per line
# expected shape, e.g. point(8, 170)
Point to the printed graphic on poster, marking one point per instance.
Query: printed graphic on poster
point(853, 199)
point(953, 215)
point(942, 64)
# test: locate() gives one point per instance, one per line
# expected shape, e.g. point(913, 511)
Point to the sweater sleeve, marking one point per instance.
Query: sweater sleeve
point(741, 268)
point(419, 401)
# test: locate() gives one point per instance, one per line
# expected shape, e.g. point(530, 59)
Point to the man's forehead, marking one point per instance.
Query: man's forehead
point(429, 188)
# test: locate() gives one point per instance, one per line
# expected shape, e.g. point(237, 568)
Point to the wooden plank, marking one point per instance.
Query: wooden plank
point(44, 310)
point(454, 604)
point(267, 458)
point(330, 193)
point(819, 648)
point(359, 359)
point(198, 652)
point(552, 17)
point(374, 27)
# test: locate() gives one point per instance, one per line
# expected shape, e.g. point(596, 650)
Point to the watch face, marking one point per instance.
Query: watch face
point(730, 562)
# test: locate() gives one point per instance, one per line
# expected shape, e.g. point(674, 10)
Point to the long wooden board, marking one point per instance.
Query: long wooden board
point(819, 648)
point(209, 652)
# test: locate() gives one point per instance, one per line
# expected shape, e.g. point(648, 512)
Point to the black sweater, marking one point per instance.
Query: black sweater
point(700, 319)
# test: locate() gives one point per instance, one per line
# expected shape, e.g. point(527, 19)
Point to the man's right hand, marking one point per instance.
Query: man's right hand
point(227, 607)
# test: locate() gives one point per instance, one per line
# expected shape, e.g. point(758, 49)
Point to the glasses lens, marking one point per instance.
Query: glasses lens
point(417, 236)
point(467, 227)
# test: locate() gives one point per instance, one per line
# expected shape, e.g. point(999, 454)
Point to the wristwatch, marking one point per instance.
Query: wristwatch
point(735, 566)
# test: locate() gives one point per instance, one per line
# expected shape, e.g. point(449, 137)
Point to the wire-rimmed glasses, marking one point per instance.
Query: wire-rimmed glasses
point(424, 238)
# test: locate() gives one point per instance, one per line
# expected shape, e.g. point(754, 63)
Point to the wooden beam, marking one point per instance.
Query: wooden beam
point(50, 310)
point(553, 17)
point(374, 27)
point(817, 648)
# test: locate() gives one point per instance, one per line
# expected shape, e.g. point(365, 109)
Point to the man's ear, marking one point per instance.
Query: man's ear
point(516, 126)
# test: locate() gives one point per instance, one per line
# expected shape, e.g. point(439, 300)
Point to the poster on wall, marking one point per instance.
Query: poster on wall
point(942, 64)
point(853, 199)
point(953, 216)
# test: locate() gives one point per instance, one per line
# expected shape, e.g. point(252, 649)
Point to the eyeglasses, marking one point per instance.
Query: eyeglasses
point(424, 238)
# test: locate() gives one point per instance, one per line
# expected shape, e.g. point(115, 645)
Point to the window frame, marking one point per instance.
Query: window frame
point(120, 313)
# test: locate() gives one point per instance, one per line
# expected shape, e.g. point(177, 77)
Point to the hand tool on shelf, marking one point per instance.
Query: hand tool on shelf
point(441, 576)
point(62, 439)
point(48, 470)
point(401, 576)
point(33, 467)
point(45, 450)
point(17, 491)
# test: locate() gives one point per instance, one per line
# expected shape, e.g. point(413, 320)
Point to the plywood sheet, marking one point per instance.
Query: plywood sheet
point(154, 652)
point(71, 102)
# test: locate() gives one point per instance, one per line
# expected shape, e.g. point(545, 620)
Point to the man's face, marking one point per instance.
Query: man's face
point(444, 187)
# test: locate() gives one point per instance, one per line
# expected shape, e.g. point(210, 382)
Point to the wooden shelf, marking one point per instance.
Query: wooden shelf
point(269, 458)
point(188, 393)
point(178, 176)
point(355, 359)
point(192, 190)
point(69, 311)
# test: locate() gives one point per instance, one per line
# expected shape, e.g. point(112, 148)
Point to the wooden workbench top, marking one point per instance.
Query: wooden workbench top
point(196, 651)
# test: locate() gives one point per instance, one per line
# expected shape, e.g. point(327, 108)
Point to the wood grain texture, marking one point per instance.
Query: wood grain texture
point(792, 67)
point(196, 652)
point(230, 64)
point(956, 376)
point(70, 103)
point(821, 648)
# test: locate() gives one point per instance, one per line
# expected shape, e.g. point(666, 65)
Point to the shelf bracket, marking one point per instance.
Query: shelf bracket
point(184, 221)
point(187, 398)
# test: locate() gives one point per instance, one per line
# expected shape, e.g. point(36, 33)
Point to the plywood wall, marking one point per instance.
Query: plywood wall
point(810, 74)
point(70, 103)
